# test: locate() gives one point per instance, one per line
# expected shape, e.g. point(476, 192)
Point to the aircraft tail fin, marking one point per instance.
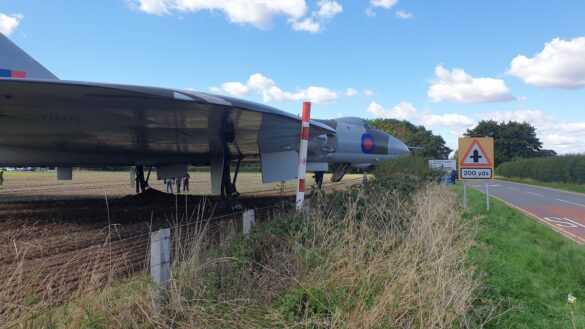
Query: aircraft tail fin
point(15, 63)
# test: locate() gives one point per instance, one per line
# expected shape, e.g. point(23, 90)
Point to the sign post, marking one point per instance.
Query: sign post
point(476, 163)
point(300, 201)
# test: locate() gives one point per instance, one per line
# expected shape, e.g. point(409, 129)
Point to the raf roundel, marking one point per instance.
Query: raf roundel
point(368, 144)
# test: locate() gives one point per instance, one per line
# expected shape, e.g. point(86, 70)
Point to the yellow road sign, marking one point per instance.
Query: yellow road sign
point(476, 158)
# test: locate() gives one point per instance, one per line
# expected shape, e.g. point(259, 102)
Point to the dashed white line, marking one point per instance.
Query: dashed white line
point(537, 194)
point(573, 203)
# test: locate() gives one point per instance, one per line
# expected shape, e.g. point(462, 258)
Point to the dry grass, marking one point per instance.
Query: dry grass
point(393, 264)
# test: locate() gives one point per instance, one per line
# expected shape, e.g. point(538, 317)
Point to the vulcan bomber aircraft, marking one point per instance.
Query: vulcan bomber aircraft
point(45, 121)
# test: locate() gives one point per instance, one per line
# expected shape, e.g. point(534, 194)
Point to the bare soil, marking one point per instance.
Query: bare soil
point(57, 241)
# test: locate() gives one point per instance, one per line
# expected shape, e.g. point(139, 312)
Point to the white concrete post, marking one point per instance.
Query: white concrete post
point(248, 220)
point(160, 256)
point(303, 156)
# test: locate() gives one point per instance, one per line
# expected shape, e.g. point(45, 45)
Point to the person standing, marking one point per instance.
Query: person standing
point(178, 181)
point(186, 183)
point(1, 176)
point(453, 175)
point(169, 183)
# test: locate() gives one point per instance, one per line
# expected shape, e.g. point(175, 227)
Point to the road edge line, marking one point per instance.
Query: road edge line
point(543, 187)
point(570, 236)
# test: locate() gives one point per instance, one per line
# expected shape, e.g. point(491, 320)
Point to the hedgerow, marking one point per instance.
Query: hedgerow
point(564, 169)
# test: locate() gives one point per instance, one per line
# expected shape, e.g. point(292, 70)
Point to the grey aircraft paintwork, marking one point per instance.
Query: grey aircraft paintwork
point(49, 122)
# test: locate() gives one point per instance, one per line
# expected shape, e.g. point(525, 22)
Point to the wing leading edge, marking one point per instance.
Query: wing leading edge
point(122, 123)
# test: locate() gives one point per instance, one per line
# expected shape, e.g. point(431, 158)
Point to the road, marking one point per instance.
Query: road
point(560, 210)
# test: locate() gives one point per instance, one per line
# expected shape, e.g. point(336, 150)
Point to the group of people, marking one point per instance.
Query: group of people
point(178, 182)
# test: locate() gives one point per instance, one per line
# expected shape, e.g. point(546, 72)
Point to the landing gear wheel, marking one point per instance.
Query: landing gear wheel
point(238, 206)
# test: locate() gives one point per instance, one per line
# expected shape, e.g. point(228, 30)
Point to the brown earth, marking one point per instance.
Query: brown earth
point(57, 247)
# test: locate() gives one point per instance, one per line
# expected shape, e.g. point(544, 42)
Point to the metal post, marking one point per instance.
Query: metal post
point(303, 156)
point(248, 220)
point(465, 194)
point(487, 195)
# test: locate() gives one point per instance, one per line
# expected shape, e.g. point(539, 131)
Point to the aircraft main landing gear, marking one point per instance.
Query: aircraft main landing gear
point(141, 182)
point(319, 178)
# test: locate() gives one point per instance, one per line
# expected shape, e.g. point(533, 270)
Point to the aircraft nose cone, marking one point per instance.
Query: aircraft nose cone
point(396, 148)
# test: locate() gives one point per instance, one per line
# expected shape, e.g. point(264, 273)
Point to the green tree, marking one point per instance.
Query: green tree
point(416, 136)
point(511, 140)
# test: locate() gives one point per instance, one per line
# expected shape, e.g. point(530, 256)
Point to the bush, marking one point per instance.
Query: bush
point(562, 169)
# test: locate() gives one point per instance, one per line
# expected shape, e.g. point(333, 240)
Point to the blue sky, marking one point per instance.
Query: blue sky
point(441, 64)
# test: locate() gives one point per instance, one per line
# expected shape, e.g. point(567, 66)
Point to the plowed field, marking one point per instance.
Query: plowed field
point(60, 238)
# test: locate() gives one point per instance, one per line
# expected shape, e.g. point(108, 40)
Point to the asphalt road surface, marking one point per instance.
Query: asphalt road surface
point(562, 211)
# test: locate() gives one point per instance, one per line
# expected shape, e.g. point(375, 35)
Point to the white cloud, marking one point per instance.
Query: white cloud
point(9, 23)
point(271, 92)
point(328, 9)
point(559, 135)
point(318, 95)
point(157, 7)
point(407, 111)
point(401, 14)
point(235, 88)
point(350, 92)
point(448, 120)
point(385, 4)
point(459, 87)
point(401, 111)
point(307, 24)
point(368, 92)
point(258, 13)
point(561, 64)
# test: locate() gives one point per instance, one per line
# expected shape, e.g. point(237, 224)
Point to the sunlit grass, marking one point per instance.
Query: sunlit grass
point(529, 269)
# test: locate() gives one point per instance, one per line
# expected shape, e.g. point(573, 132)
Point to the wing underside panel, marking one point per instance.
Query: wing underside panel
point(95, 118)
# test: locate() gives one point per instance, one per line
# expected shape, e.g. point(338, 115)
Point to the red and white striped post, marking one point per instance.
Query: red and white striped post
point(303, 156)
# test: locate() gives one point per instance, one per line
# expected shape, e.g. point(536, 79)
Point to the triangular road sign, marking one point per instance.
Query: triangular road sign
point(476, 156)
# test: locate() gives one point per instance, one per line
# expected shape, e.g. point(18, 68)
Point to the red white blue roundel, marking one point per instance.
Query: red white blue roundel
point(368, 144)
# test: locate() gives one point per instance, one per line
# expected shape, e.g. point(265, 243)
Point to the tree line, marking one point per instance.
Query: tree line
point(511, 140)
point(423, 141)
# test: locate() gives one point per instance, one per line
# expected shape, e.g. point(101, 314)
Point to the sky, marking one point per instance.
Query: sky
point(442, 64)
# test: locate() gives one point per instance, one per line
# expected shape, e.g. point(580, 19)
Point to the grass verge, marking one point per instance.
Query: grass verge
point(579, 188)
point(365, 258)
point(528, 269)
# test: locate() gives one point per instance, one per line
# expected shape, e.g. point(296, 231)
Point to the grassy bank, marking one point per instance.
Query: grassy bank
point(399, 264)
point(579, 188)
point(529, 269)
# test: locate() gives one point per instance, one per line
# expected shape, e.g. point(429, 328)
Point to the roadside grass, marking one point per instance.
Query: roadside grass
point(362, 259)
point(529, 269)
point(579, 188)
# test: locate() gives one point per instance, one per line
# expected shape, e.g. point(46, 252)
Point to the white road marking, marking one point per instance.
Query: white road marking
point(512, 188)
point(527, 192)
point(563, 222)
point(573, 203)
